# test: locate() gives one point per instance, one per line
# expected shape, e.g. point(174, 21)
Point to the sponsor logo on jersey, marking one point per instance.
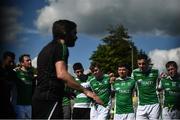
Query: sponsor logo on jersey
point(167, 89)
point(124, 91)
point(147, 82)
point(167, 84)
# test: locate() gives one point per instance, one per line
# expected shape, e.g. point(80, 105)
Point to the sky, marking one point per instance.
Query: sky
point(153, 26)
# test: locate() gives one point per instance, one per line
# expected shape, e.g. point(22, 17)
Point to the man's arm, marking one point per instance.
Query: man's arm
point(63, 74)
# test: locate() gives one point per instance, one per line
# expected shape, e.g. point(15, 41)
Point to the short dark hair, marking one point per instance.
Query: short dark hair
point(21, 58)
point(77, 66)
point(8, 53)
point(61, 28)
point(93, 65)
point(124, 65)
point(173, 63)
point(142, 56)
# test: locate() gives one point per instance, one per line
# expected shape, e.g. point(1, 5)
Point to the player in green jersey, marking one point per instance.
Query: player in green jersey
point(24, 88)
point(123, 86)
point(81, 108)
point(100, 84)
point(170, 85)
point(146, 78)
point(66, 103)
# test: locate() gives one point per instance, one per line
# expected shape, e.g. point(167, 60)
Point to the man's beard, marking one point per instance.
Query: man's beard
point(70, 42)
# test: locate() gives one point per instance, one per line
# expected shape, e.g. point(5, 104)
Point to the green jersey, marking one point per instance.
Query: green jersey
point(146, 86)
point(24, 87)
point(123, 95)
point(66, 98)
point(171, 94)
point(66, 101)
point(101, 87)
point(81, 100)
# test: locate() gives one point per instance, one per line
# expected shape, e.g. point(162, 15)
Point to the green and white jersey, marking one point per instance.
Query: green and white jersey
point(102, 88)
point(81, 100)
point(24, 87)
point(123, 95)
point(66, 99)
point(171, 93)
point(146, 86)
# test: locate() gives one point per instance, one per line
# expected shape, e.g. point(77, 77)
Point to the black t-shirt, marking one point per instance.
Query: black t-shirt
point(7, 82)
point(48, 86)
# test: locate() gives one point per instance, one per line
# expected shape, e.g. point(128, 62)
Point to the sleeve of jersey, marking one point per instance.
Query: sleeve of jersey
point(160, 85)
point(112, 87)
point(132, 75)
point(59, 53)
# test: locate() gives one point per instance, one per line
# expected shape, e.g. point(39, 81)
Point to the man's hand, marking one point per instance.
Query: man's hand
point(112, 79)
point(93, 96)
point(163, 75)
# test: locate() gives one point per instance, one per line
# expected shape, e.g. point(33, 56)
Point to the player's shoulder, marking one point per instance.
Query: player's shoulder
point(154, 70)
point(136, 71)
point(106, 75)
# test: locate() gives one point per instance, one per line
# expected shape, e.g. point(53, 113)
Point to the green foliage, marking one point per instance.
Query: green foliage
point(115, 49)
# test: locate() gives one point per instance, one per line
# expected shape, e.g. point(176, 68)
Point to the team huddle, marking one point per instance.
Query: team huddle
point(142, 93)
point(157, 95)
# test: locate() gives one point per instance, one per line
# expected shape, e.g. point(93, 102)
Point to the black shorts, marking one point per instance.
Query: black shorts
point(81, 113)
point(44, 109)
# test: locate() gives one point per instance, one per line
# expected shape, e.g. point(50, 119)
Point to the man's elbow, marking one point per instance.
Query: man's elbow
point(61, 76)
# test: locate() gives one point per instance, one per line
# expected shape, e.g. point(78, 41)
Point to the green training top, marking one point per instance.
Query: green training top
point(66, 98)
point(146, 86)
point(81, 100)
point(171, 94)
point(123, 95)
point(24, 87)
point(101, 87)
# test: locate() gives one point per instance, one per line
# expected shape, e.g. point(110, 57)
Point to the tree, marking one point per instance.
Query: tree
point(116, 48)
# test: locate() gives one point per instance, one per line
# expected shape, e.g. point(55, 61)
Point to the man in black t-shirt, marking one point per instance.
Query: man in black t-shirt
point(53, 73)
point(7, 86)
